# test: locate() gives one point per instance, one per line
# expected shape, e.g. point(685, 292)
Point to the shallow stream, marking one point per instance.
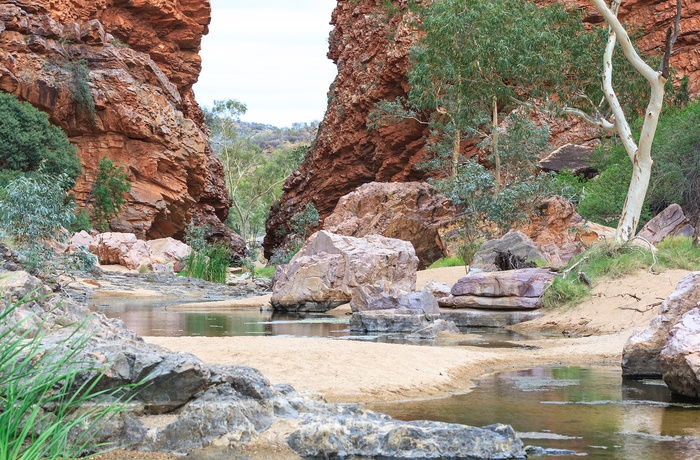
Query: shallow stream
point(588, 410)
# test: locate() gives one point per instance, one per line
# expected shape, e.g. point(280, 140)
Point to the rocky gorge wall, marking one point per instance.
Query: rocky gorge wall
point(139, 59)
point(370, 44)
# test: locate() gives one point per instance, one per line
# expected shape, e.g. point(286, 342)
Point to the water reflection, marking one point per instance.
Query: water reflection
point(588, 410)
point(149, 317)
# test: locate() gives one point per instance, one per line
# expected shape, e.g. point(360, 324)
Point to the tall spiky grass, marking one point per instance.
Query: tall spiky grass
point(47, 409)
point(209, 263)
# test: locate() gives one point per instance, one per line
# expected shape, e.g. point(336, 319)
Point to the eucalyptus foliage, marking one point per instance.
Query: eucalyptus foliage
point(34, 209)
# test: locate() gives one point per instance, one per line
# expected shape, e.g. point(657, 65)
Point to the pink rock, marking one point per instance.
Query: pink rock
point(121, 248)
point(164, 250)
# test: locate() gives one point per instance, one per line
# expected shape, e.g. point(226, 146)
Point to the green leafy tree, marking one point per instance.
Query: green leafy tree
point(107, 194)
point(481, 57)
point(253, 177)
point(29, 141)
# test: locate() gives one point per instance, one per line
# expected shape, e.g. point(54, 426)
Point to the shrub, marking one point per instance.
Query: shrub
point(33, 209)
point(33, 212)
point(80, 76)
point(28, 141)
point(45, 410)
point(107, 194)
point(676, 153)
point(604, 196)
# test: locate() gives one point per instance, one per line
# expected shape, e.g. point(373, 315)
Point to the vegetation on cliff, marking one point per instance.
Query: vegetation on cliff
point(28, 141)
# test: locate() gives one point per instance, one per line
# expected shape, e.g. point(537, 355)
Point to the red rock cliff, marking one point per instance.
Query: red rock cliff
point(370, 44)
point(142, 58)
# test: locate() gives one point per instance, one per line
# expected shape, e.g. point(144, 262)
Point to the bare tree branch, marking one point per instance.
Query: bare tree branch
point(664, 66)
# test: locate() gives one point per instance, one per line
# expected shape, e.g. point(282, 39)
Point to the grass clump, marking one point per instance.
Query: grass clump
point(455, 261)
point(208, 262)
point(678, 252)
point(266, 272)
point(47, 409)
point(602, 261)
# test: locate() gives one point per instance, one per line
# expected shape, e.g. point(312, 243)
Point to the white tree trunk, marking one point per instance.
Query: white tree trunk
point(640, 156)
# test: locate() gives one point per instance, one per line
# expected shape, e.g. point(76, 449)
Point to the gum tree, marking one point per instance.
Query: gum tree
point(638, 152)
point(479, 58)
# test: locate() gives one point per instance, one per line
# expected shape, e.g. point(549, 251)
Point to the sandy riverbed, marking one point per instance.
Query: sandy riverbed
point(351, 371)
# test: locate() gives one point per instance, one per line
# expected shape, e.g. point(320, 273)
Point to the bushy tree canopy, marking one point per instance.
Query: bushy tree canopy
point(28, 140)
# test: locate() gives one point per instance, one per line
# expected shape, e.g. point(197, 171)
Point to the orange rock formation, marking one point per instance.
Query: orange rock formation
point(142, 58)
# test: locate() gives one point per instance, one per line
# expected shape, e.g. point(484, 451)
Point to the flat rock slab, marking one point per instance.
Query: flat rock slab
point(526, 282)
point(391, 321)
point(469, 317)
point(491, 303)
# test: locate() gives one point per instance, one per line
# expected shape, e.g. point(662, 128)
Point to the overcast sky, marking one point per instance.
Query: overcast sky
point(270, 55)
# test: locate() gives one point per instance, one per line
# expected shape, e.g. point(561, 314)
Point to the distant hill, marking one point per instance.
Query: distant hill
point(269, 137)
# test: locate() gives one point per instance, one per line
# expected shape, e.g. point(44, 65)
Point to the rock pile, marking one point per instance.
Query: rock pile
point(127, 250)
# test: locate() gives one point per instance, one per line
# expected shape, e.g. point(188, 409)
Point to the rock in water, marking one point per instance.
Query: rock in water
point(324, 273)
point(641, 355)
point(680, 358)
point(370, 435)
point(380, 308)
point(503, 290)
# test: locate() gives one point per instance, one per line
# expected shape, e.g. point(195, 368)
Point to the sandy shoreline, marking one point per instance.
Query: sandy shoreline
point(353, 371)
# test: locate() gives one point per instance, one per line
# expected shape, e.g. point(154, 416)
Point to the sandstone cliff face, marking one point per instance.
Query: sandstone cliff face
point(141, 60)
point(370, 45)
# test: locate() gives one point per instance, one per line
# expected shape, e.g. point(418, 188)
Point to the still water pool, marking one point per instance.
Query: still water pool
point(151, 318)
point(589, 410)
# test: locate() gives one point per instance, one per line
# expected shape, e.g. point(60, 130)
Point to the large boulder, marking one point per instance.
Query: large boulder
point(680, 358)
point(122, 249)
point(326, 271)
point(669, 222)
point(516, 244)
point(412, 211)
point(572, 157)
point(167, 250)
point(503, 290)
point(641, 355)
point(381, 308)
